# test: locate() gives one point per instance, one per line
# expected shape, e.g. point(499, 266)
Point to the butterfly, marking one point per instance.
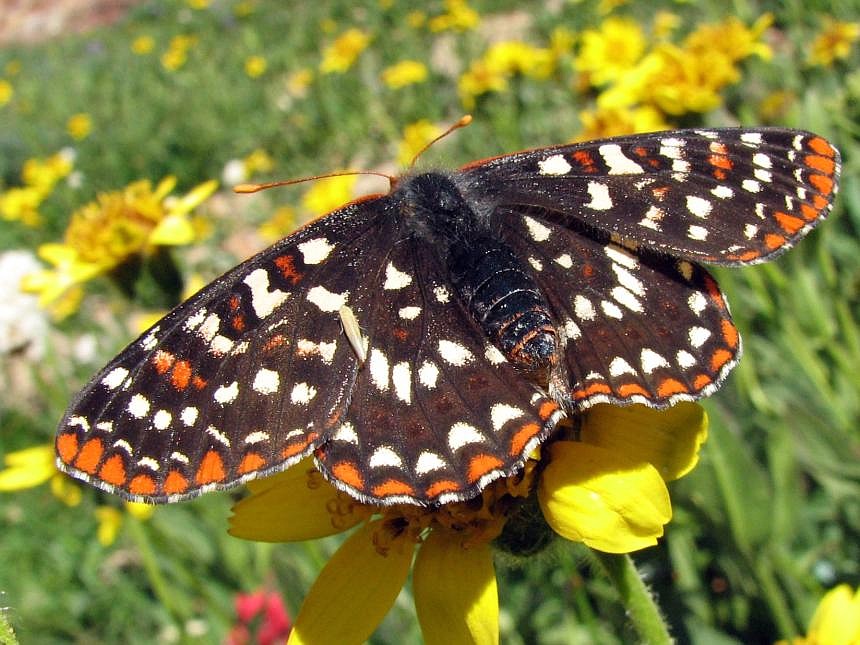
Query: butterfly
point(419, 344)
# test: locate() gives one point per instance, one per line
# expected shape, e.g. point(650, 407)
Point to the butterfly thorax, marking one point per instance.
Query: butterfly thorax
point(491, 281)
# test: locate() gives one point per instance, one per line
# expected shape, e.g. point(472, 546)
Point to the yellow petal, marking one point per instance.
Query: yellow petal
point(837, 618)
point(164, 188)
point(110, 521)
point(455, 592)
point(611, 503)
point(667, 439)
point(283, 508)
point(193, 198)
point(174, 229)
point(353, 592)
point(28, 468)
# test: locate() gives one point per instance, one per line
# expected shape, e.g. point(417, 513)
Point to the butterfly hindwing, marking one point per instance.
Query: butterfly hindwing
point(436, 411)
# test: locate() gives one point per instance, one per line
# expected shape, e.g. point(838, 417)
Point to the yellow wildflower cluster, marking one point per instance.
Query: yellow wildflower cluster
point(833, 42)
point(500, 62)
point(458, 16)
point(39, 175)
point(177, 52)
point(343, 52)
point(106, 232)
point(663, 78)
point(406, 72)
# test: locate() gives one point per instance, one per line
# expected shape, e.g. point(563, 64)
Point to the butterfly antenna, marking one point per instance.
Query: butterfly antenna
point(462, 123)
point(254, 188)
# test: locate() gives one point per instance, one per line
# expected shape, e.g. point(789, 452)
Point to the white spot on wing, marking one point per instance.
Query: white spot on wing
point(697, 302)
point(763, 160)
point(600, 199)
point(220, 345)
point(697, 233)
point(209, 329)
point(699, 206)
point(226, 393)
point(346, 432)
point(427, 374)
point(454, 353)
point(138, 406)
point(619, 366)
point(501, 413)
point(114, 378)
point(722, 191)
point(385, 456)
point(751, 137)
point(395, 278)
point(378, 365)
point(442, 294)
point(685, 359)
point(409, 313)
point(462, 434)
point(621, 255)
point(161, 420)
point(651, 360)
point(537, 231)
point(266, 381)
point(189, 415)
point(263, 301)
point(583, 308)
point(618, 162)
point(492, 354)
point(302, 393)
point(627, 299)
point(564, 260)
point(258, 436)
point(611, 309)
point(401, 378)
point(751, 185)
point(698, 336)
point(554, 165)
point(326, 300)
point(218, 435)
point(750, 230)
point(316, 250)
point(428, 462)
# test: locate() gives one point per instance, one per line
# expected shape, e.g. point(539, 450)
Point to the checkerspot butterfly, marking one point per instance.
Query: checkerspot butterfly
point(481, 306)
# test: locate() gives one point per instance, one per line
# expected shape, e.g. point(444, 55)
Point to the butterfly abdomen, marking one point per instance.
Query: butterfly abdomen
point(492, 282)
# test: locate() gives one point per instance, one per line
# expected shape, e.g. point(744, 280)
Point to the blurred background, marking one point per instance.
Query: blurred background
point(123, 126)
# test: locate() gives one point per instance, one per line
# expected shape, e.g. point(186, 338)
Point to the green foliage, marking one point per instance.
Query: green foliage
point(766, 523)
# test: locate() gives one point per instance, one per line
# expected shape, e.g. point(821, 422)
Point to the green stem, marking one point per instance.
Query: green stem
point(153, 572)
point(637, 599)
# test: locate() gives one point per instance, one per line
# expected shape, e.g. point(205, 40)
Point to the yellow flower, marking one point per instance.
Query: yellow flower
point(106, 232)
point(343, 52)
point(407, 72)
point(836, 620)
point(177, 52)
point(198, 4)
point(480, 79)
point(282, 222)
point(515, 57)
point(255, 66)
point(6, 91)
point(415, 137)
point(458, 16)
point(606, 53)
point(259, 161)
point(21, 204)
point(664, 23)
point(110, 519)
point(298, 82)
point(33, 467)
point(606, 489)
point(143, 45)
point(834, 42)
point(39, 175)
point(416, 19)
point(327, 194)
point(611, 122)
point(730, 38)
point(79, 126)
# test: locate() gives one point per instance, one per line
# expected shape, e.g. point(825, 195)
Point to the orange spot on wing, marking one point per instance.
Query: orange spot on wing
point(821, 146)
point(702, 381)
point(714, 291)
point(585, 160)
point(719, 358)
point(720, 174)
point(808, 211)
point(142, 485)
point(393, 487)
point(113, 470)
point(521, 438)
point(442, 486)
point(162, 361)
point(660, 192)
point(67, 446)
point(774, 241)
point(89, 456)
point(746, 256)
point(346, 472)
point(824, 164)
point(670, 386)
point(198, 383)
point(730, 333)
point(587, 270)
point(181, 375)
point(275, 341)
point(175, 483)
point(234, 302)
point(594, 388)
point(788, 223)
point(627, 390)
point(238, 322)
point(286, 263)
point(211, 469)
point(720, 161)
point(480, 465)
point(640, 151)
point(546, 409)
point(823, 183)
point(251, 462)
point(400, 334)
